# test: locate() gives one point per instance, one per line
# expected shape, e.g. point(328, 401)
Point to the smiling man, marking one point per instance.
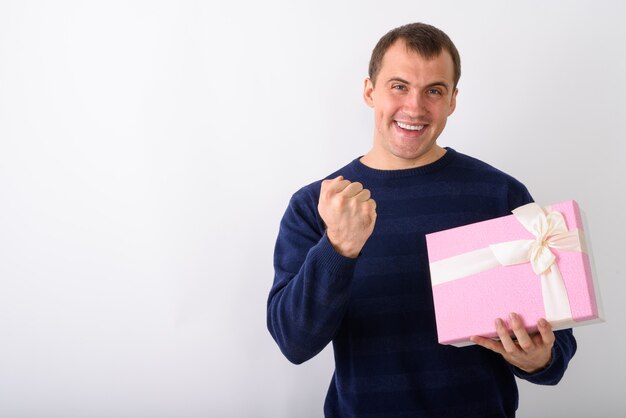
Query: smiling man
point(351, 265)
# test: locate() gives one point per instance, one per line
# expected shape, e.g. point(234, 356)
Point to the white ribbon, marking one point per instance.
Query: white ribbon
point(550, 231)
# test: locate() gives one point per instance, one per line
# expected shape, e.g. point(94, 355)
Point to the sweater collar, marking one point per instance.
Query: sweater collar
point(437, 165)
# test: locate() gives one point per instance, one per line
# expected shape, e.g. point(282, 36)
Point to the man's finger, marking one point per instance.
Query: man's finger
point(505, 338)
point(488, 343)
point(363, 195)
point(545, 329)
point(352, 189)
point(336, 185)
point(523, 339)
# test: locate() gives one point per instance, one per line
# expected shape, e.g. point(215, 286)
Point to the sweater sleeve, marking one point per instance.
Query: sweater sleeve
point(562, 352)
point(310, 293)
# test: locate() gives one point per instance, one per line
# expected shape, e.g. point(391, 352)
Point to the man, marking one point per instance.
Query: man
point(354, 270)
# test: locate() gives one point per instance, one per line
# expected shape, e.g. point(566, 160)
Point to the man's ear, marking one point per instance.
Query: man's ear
point(368, 92)
point(453, 102)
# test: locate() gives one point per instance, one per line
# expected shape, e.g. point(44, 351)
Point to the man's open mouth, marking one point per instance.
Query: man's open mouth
point(409, 127)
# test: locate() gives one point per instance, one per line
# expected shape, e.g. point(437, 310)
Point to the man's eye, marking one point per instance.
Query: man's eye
point(434, 92)
point(398, 87)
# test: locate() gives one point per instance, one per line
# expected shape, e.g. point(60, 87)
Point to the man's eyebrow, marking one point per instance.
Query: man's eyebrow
point(433, 84)
point(398, 79)
point(439, 84)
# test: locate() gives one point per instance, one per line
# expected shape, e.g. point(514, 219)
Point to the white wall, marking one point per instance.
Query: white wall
point(148, 150)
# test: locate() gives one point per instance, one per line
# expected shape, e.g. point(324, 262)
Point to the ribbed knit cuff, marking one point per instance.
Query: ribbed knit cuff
point(333, 262)
point(543, 375)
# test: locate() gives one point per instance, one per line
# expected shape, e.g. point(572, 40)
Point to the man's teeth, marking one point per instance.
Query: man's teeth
point(410, 127)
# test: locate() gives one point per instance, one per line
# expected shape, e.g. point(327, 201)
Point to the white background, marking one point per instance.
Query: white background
point(148, 150)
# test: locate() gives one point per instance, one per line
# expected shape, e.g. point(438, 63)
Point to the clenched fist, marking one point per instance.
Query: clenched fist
point(349, 214)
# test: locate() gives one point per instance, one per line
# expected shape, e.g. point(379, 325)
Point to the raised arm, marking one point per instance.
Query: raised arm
point(314, 260)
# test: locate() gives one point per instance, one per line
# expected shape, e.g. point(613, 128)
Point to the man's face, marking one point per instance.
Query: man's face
point(412, 99)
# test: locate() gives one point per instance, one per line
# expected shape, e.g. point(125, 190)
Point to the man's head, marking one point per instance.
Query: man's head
point(414, 71)
point(426, 40)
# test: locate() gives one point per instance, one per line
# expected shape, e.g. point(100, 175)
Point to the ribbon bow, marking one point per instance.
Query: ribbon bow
point(550, 231)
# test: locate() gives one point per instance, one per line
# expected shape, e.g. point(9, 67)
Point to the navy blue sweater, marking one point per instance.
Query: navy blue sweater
point(377, 309)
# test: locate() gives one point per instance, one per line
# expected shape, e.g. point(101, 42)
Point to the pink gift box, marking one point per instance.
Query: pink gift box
point(471, 287)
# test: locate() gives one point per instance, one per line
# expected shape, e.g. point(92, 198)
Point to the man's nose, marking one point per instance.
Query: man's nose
point(415, 104)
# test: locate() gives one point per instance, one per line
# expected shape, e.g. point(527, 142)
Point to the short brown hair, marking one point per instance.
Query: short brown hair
point(426, 40)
